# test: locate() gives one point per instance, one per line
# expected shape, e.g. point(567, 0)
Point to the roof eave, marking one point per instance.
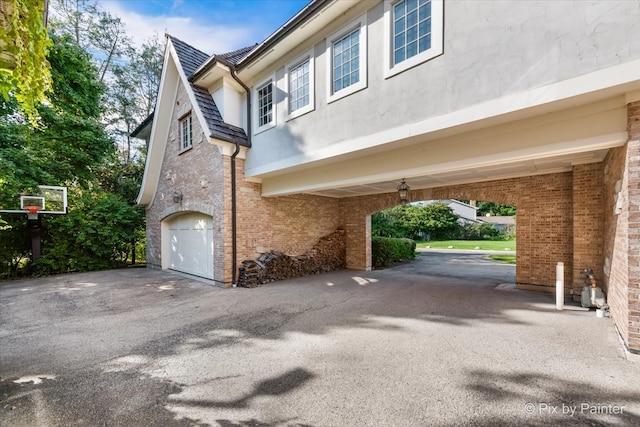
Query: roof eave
point(308, 11)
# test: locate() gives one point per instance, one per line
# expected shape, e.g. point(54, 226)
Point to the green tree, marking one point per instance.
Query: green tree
point(94, 29)
point(24, 70)
point(69, 148)
point(495, 209)
point(435, 220)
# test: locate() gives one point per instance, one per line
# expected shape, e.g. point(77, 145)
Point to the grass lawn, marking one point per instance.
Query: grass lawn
point(487, 245)
point(509, 259)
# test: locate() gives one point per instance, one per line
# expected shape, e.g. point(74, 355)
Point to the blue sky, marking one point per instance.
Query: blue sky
point(213, 26)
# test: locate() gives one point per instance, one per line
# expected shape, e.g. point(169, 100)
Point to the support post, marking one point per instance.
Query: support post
point(560, 286)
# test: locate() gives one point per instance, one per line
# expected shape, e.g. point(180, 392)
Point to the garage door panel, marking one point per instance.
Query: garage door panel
point(191, 245)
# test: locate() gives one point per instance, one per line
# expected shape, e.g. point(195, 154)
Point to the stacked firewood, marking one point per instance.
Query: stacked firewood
point(327, 255)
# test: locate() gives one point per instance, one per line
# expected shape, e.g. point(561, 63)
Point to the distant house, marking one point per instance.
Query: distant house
point(466, 212)
point(505, 224)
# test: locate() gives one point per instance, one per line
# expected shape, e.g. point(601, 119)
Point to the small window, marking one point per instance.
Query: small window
point(265, 116)
point(348, 60)
point(186, 133)
point(300, 81)
point(413, 33)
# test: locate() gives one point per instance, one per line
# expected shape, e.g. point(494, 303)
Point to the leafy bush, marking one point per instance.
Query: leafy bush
point(387, 250)
point(479, 231)
point(414, 222)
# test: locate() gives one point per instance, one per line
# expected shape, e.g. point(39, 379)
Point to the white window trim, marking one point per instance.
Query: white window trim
point(437, 39)
point(312, 85)
point(256, 120)
point(182, 149)
point(361, 22)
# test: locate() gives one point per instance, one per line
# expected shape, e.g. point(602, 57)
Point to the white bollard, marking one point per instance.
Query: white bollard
point(560, 286)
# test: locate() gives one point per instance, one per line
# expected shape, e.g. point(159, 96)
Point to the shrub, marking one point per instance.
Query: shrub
point(387, 250)
point(481, 231)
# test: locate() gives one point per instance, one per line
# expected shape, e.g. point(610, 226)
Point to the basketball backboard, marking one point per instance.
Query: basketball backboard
point(48, 199)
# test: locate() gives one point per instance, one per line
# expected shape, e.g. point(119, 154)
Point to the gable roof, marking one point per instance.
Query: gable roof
point(237, 55)
point(190, 59)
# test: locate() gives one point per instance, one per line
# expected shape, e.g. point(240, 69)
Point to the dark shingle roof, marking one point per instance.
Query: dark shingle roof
point(219, 129)
point(235, 56)
point(190, 59)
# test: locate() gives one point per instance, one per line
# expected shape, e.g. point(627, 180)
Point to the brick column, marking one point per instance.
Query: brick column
point(633, 168)
point(358, 238)
point(588, 223)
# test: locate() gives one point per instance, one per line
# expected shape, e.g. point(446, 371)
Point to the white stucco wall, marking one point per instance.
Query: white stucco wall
point(491, 49)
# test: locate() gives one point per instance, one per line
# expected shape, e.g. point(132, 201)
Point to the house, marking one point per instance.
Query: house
point(535, 104)
point(466, 212)
point(504, 224)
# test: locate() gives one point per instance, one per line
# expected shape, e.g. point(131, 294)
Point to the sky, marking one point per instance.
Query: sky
point(213, 26)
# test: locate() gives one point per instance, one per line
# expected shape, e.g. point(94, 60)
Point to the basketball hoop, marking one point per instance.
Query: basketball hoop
point(32, 211)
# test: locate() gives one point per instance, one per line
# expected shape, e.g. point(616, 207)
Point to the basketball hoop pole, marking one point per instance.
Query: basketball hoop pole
point(34, 225)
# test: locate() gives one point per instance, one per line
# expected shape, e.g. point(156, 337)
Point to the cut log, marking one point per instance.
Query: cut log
point(327, 255)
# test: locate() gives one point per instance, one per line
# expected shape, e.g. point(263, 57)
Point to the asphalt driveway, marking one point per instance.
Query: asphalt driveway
point(432, 342)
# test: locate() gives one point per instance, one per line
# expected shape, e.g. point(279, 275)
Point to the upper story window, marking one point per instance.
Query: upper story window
point(414, 33)
point(264, 95)
point(300, 80)
point(186, 133)
point(347, 53)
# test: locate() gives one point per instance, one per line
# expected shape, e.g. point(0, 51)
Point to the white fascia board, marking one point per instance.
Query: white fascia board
point(605, 82)
point(155, 153)
point(164, 112)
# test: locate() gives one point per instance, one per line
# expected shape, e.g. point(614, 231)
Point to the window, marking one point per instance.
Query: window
point(186, 133)
point(346, 61)
point(414, 33)
point(300, 83)
point(265, 104)
point(347, 53)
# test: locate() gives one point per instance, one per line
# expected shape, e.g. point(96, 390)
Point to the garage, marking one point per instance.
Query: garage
point(191, 244)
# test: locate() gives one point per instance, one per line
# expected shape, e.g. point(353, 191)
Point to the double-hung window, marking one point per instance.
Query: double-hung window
point(300, 81)
point(266, 111)
point(413, 33)
point(347, 54)
point(186, 133)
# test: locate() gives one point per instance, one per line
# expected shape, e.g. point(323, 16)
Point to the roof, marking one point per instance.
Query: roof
point(304, 15)
point(237, 55)
point(190, 59)
point(505, 220)
point(139, 131)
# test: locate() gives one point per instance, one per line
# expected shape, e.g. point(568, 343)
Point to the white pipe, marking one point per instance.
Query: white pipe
point(560, 286)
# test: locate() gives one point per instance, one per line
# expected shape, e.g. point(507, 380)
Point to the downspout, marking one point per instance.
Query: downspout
point(234, 211)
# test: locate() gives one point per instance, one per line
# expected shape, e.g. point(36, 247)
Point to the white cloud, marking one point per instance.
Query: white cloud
point(208, 38)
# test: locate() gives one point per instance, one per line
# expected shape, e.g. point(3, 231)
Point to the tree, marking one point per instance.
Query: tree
point(415, 222)
point(24, 70)
point(132, 94)
point(69, 148)
point(495, 209)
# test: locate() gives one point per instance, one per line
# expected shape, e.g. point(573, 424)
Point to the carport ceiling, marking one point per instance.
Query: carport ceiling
point(474, 174)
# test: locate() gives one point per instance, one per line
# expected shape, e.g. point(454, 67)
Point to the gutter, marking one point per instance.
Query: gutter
point(308, 11)
point(234, 209)
point(304, 14)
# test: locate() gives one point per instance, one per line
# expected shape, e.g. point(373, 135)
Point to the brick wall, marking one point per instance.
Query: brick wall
point(588, 223)
point(633, 153)
point(621, 196)
point(289, 224)
point(616, 251)
point(544, 223)
point(198, 174)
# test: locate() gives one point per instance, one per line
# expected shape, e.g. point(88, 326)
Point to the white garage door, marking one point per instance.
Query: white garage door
point(191, 244)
